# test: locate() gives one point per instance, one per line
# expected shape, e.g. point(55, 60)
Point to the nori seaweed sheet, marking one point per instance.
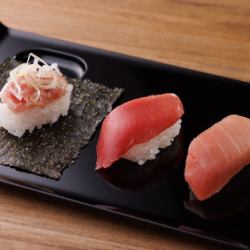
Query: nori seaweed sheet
point(48, 151)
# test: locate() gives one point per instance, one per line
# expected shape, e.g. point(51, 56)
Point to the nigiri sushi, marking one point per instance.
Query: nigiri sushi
point(35, 94)
point(137, 129)
point(217, 154)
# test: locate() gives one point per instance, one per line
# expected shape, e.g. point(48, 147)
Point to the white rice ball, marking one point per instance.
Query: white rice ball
point(140, 153)
point(17, 123)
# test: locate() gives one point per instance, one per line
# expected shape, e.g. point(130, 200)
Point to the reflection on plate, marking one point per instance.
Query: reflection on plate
point(129, 175)
point(232, 199)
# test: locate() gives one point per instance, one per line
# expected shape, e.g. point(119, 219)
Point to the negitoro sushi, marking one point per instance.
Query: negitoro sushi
point(217, 155)
point(45, 117)
point(137, 129)
point(34, 95)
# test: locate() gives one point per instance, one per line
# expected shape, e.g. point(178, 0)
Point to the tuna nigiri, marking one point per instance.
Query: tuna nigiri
point(137, 129)
point(217, 154)
point(35, 94)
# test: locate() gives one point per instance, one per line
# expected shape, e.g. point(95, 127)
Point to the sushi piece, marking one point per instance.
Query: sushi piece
point(137, 129)
point(218, 154)
point(51, 149)
point(35, 94)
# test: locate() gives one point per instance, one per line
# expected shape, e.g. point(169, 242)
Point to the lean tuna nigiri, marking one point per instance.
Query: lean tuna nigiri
point(137, 129)
point(217, 154)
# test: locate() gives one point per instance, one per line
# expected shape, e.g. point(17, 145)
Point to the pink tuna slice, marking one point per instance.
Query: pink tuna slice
point(135, 122)
point(217, 154)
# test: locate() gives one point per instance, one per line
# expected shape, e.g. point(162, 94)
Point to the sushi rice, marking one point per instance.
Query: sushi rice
point(140, 153)
point(17, 123)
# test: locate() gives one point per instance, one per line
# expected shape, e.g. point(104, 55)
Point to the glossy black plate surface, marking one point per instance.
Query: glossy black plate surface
point(154, 193)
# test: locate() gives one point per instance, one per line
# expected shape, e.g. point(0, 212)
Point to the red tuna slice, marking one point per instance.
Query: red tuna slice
point(217, 154)
point(135, 122)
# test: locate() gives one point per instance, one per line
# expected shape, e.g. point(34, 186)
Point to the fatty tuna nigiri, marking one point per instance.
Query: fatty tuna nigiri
point(217, 154)
point(137, 129)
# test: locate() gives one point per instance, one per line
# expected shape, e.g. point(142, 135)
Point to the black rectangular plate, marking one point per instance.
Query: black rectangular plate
point(158, 198)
